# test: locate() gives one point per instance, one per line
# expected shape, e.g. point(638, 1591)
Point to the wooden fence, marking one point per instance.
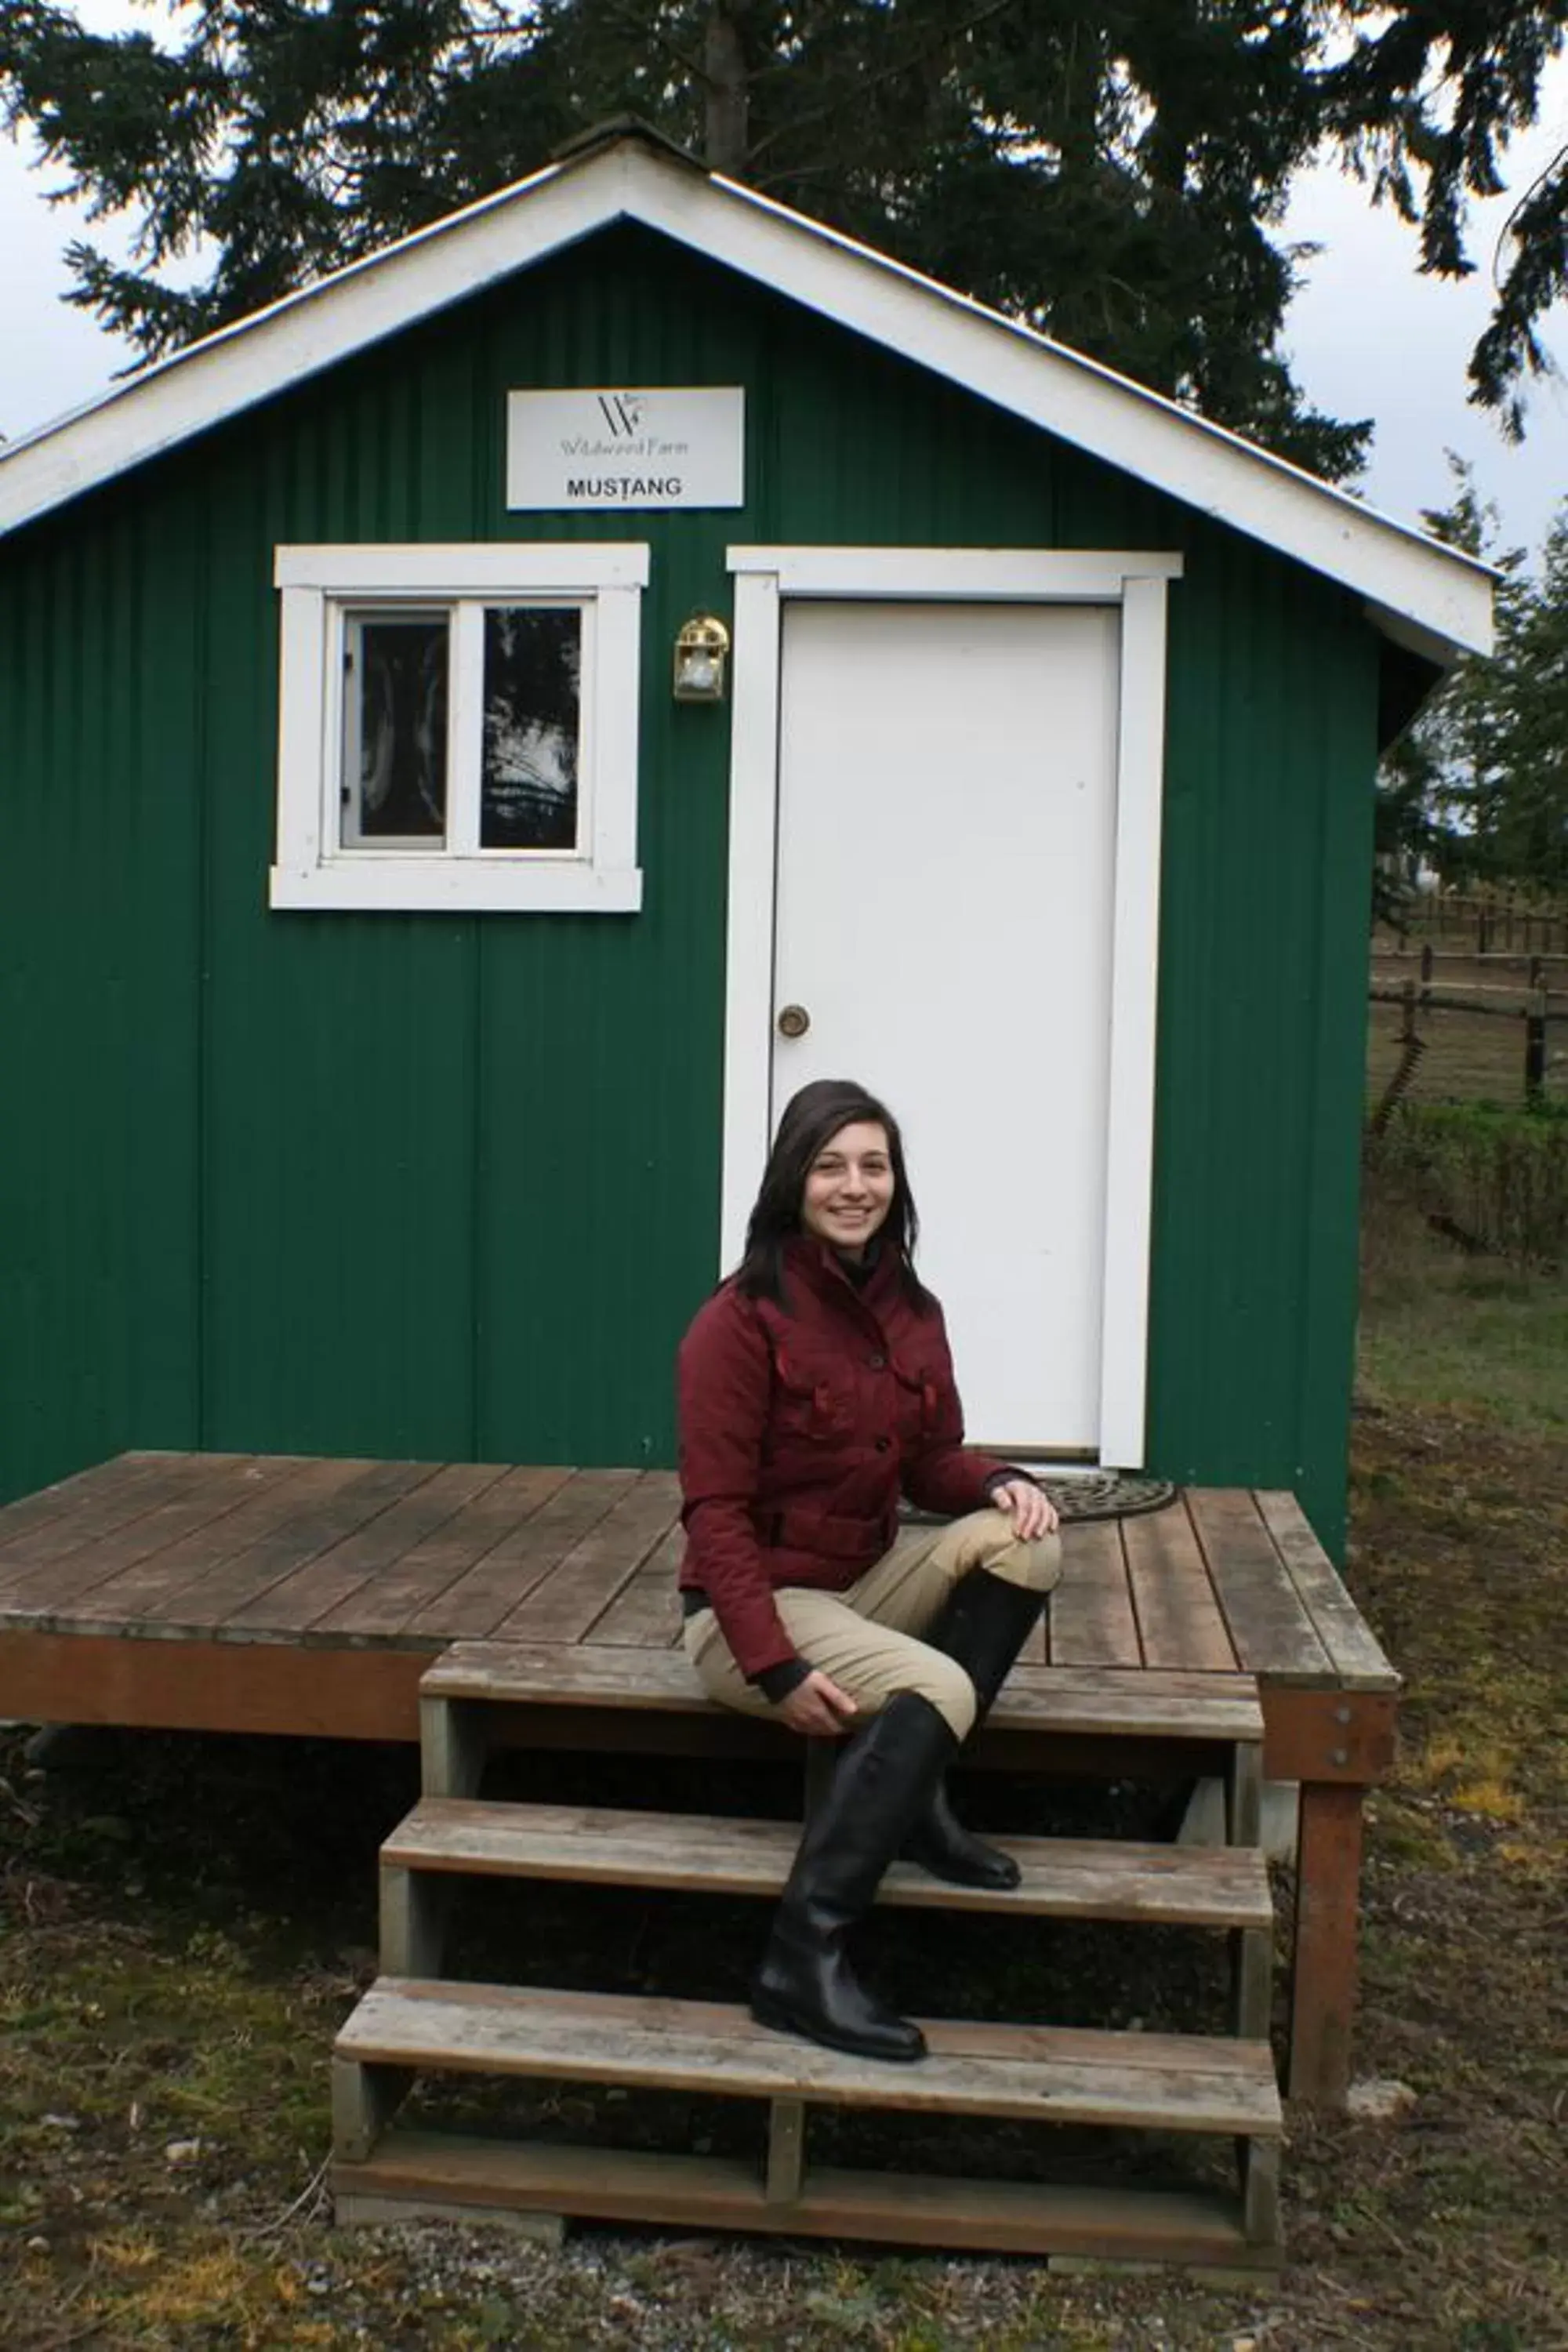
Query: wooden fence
point(1431, 985)
point(1486, 922)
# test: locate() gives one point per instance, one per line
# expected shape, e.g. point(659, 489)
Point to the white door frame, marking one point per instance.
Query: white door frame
point(765, 577)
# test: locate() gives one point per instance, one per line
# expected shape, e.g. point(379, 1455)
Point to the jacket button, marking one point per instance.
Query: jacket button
point(884, 1445)
point(877, 1363)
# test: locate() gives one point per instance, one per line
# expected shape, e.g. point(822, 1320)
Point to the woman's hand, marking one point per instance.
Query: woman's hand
point(818, 1707)
point(1032, 1513)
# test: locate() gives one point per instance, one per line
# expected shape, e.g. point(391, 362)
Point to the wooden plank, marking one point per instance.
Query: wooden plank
point(225, 1589)
point(715, 2192)
point(152, 1587)
point(1353, 1649)
point(1271, 1630)
point(90, 1497)
point(1323, 1975)
point(474, 1605)
point(1092, 1624)
point(1179, 1620)
point(413, 1586)
point(45, 1593)
point(219, 1685)
point(563, 1606)
point(1063, 1878)
point(1043, 2074)
point(297, 1602)
point(354, 2210)
point(646, 1614)
point(1035, 1699)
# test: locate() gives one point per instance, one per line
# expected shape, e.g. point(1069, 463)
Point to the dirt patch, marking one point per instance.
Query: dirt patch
point(186, 1921)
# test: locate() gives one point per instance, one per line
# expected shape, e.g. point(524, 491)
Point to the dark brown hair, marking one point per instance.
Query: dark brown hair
point(811, 1118)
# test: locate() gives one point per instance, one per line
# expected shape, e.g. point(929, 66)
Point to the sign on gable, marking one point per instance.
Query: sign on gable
point(667, 447)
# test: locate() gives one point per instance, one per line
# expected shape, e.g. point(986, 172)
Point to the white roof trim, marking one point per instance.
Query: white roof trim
point(1398, 572)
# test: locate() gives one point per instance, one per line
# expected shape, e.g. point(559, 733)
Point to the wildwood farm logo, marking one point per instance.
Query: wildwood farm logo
point(622, 411)
point(624, 415)
point(627, 432)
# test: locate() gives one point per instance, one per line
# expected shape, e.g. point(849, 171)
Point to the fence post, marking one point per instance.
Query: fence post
point(1535, 1042)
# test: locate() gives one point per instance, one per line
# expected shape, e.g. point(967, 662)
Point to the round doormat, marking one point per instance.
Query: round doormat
point(1092, 1495)
point(1107, 1495)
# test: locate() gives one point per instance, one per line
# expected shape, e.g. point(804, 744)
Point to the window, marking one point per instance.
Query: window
point(459, 727)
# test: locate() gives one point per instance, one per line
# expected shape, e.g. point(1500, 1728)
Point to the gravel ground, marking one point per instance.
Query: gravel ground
point(184, 1921)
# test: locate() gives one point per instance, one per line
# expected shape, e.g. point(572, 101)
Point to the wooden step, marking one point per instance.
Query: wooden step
point(1088, 1701)
point(424, 2173)
point(1064, 1878)
point(1183, 2082)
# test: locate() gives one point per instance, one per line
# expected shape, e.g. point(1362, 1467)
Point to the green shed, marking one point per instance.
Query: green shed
point(414, 911)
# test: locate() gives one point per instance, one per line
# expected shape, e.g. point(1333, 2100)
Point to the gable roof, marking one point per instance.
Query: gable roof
point(1425, 596)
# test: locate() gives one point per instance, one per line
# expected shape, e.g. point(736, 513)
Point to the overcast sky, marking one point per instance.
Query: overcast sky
point(1369, 337)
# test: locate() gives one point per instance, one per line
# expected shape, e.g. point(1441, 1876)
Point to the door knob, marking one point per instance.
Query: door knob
point(794, 1021)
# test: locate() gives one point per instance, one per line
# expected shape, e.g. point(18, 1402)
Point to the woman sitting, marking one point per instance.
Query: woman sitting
point(815, 1387)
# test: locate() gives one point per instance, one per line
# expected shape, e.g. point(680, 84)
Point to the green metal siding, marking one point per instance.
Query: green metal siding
point(390, 1184)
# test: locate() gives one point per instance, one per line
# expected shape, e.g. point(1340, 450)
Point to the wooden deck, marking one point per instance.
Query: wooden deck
point(259, 1593)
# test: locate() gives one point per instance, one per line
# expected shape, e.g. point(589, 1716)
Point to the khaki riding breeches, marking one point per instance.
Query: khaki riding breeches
point(868, 1638)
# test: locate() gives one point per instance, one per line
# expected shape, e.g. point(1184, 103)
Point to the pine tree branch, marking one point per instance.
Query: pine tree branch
point(856, 93)
point(635, 22)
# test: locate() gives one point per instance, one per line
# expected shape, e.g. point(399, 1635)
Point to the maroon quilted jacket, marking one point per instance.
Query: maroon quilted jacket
point(799, 1428)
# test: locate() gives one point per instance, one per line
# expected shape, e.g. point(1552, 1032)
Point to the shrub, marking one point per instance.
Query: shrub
point(1495, 1177)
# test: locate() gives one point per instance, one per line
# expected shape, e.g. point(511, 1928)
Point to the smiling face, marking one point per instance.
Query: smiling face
point(849, 1188)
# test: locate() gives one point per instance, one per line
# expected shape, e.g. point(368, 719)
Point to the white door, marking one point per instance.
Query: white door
point(943, 916)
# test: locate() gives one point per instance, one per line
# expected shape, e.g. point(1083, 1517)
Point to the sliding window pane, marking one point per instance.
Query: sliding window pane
point(394, 749)
point(528, 781)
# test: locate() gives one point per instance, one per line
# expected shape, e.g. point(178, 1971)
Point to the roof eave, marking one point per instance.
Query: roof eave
point(1403, 576)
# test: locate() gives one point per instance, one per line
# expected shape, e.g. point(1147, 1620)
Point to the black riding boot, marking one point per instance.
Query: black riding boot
point(883, 1781)
point(983, 1624)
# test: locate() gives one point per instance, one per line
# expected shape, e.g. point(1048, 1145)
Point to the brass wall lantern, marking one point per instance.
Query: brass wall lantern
point(701, 652)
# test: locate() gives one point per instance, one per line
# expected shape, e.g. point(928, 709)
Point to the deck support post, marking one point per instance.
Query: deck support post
point(1243, 1794)
point(416, 1907)
point(1252, 1975)
point(1323, 1974)
point(453, 1748)
point(364, 2100)
point(786, 2150)
point(1259, 2163)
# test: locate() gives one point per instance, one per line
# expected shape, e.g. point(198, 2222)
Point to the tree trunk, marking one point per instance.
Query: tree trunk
point(728, 97)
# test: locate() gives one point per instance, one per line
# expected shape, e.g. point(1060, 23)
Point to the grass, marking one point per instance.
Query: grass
point(1454, 1332)
point(182, 1922)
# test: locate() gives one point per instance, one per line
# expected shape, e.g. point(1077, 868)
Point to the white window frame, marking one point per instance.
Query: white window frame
point(1134, 582)
point(319, 586)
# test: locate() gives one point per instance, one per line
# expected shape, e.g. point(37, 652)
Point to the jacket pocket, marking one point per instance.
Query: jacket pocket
point(919, 1400)
point(815, 1398)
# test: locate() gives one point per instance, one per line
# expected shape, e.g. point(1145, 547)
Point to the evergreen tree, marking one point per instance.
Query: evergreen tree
point(1478, 786)
point(1422, 106)
point(1115, 176)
